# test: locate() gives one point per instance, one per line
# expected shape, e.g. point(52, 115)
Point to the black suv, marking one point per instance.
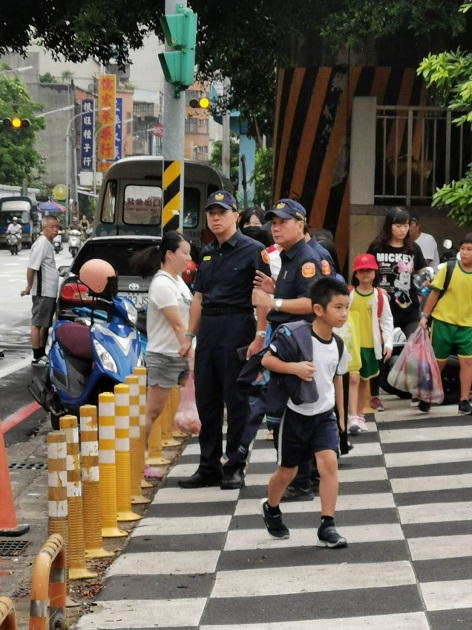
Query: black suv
point(117, 250)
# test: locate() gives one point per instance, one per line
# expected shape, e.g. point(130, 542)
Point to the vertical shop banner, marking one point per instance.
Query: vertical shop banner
point(86, 136)
point(106, 116)
point(118, 127)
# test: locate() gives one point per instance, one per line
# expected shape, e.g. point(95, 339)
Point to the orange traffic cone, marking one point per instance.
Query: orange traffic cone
point(8, 522)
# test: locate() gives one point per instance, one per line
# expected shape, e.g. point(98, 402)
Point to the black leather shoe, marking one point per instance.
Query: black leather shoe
point(232, 480)
point(199, 480)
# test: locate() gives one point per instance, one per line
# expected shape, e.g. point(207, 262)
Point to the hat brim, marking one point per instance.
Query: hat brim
point(280, 213)
point(368, 268)
point(220, 204)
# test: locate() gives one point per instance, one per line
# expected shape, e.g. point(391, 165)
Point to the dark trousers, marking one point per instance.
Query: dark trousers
point(217, 367)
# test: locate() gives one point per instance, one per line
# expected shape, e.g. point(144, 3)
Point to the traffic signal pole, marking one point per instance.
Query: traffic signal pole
point(173, 139)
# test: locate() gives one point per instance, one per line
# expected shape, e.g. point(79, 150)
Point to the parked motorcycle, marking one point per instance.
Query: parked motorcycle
point(13, 244)
point(75, 242)
point(57, 242)
point(90, 355)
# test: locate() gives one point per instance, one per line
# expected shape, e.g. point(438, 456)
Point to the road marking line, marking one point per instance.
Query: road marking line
point(19, 416)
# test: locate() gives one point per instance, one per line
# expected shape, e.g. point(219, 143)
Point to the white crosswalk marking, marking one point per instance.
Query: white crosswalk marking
point(202, 559)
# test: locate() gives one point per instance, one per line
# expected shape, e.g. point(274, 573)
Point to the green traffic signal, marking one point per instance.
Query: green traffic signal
point(180, 33)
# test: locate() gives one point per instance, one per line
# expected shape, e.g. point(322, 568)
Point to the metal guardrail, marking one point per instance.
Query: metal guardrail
point(48, 586)
point(7, 614)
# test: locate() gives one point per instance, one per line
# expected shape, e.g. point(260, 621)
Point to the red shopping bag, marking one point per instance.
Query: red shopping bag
point(416, 370)
point(186, 417)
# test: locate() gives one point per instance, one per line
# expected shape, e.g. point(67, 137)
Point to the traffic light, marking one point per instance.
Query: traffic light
point(180, 32)
point(200, 103)
point(16, 123)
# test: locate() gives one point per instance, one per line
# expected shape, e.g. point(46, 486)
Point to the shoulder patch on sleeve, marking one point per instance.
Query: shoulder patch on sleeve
point(325, 267)
point(265, 256)
point(308, 270)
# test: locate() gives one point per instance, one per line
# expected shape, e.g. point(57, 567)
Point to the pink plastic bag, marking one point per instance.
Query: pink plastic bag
point(416, 370)
point(186, 417)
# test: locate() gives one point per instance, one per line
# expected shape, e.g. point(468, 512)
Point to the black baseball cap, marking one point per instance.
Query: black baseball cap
point(222, 198)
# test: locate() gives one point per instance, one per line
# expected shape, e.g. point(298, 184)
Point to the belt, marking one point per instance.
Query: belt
point(224, 310)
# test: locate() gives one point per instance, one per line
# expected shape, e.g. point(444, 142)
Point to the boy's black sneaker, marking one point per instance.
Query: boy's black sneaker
point(329, 537)
point(274, 524)
point(424, 407)
point(465, 407)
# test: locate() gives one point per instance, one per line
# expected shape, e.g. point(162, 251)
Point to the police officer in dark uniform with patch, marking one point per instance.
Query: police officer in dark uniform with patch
point(222, 319)
point(288, 298)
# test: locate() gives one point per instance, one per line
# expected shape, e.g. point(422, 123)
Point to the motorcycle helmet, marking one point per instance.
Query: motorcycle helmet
point(96, 273)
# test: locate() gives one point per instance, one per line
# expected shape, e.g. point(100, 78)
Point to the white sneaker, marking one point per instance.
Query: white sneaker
point(362, 423)
point(42, 362)
point(353, 427)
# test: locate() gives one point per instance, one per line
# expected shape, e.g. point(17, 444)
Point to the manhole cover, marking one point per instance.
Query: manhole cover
point(12, 548)
point(28, 466)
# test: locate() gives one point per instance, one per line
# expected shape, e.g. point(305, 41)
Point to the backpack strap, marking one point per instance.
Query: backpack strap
point(340, 344)
point(451, 265)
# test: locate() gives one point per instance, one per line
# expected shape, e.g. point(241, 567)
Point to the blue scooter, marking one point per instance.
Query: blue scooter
point(92, 354)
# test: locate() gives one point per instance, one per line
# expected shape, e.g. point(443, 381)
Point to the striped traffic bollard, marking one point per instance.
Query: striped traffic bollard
point(57, 485)
point(76, 548)
point(123, 468)
point(106, 464)
point(135, 441)
point(155, 457)
point(140, 372)
point(90, 484)
point(167, 423)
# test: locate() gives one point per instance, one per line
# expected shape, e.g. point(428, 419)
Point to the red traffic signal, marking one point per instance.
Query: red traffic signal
point(16, 123)
point(200, 103)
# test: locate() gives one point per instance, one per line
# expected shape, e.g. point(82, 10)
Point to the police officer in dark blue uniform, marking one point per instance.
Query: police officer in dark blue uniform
point(222, 318)
point(301, 266)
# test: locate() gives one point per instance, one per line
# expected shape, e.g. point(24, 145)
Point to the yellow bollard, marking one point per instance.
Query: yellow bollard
point(106, 461)
point(76, 547)
point(135, 441)
point(140, 372)
point(123, 474)
point(57, 485)
point(155, 457)
point(174, 403)
point(167, 423)
point(90, 484)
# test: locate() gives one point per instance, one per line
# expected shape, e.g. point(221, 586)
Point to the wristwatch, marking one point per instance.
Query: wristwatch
point(278, 304)
point(261, 333)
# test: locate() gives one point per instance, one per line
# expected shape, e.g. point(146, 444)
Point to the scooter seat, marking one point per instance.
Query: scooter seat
point(75, 338)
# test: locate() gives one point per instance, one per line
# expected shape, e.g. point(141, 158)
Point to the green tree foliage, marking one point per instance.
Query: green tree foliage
point(216, 158)
point(449, 75)
point(47, 77)
point(19, 160)
point(262, 178)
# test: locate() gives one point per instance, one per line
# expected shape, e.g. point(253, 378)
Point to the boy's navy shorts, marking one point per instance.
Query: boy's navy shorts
point(301, 436)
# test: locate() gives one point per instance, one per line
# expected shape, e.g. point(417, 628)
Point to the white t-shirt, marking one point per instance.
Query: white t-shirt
point(41, 259)
point(326, 360)
point(14, 228)
point(429, 247)
point(166, 291)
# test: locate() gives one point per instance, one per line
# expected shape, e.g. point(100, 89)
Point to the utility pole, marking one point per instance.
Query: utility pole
point(178, 60)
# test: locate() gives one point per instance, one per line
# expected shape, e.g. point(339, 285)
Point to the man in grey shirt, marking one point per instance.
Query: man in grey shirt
point(42, 280)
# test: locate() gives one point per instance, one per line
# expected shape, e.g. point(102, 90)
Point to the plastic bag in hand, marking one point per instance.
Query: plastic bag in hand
point(416, 370)
point(186, 417)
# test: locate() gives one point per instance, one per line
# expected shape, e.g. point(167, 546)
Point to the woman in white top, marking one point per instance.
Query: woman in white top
point(167, 319)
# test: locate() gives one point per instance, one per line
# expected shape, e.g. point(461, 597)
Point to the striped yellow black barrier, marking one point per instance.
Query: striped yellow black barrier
point(171, 192)
point(57, 484)
point(135, 441)
point(106, 462)
point(7, 614)
point(123, 468)
point(140, 372)
point(92, 520)
point(48, 586)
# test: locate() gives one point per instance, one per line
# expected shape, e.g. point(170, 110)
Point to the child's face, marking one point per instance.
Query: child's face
point(365, 275)
point(466, 254)
point(400, 230)
point(335, 313)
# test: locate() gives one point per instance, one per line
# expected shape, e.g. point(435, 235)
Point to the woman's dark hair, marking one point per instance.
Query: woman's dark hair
point(149, 260)
point(394, 215)
point(375, 281)
point(245, 215)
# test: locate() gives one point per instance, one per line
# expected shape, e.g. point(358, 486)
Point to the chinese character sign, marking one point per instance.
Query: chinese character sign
point(86, 136)
point(118, 127)
point(106, 116)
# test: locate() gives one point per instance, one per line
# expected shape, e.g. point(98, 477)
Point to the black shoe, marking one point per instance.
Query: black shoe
point(292, 493)
point(329, 537)
point(232, 480)
point(424, 407)
point(465, 407)
point(199, 480)
point(274, 524)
